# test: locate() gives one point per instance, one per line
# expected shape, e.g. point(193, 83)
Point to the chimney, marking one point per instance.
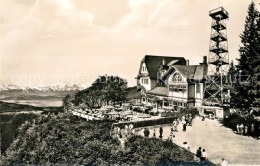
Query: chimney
point(205, 60)
point(187, 62)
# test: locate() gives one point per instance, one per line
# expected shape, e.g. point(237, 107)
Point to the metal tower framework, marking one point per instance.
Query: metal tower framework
point(218, 59)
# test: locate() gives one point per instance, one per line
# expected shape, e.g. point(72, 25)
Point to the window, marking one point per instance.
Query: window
point(144, 68)
point(178, 88)
point(176, 77)
point(145, 81)
point(197, 88)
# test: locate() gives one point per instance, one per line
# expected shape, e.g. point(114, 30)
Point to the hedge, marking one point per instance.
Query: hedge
point(145, 123)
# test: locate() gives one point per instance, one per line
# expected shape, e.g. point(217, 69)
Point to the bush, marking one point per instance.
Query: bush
point(153, 151)
point(58, 140)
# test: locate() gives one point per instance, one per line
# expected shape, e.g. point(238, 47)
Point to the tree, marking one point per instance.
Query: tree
point(67, 103)
point(105, 90)
point(244, 92)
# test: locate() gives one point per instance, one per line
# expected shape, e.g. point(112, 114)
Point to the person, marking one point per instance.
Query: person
point(146, 132)
point(126, 130)
point(246, 129)
point(131, 126)
point(175, 126)
point(154, 133)
point(199, 153)
point(119, 132)
point(203, 118)
point(161, 132)
point(184, 124)
point(190, 120)
point(173, 139)
point(253, 130)
point(133, 131)
point(242, 129)
point(224, 162)
point(186, 146)
point(238, 128)
point(204, 155)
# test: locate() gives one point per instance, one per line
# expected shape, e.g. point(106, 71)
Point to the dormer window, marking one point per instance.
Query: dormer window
point(176, 77)
point(144, 69)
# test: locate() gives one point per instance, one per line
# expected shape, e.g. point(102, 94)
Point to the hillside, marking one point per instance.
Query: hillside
point(67, 140)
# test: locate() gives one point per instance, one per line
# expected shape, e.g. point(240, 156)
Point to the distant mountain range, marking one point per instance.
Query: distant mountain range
point(61, 87)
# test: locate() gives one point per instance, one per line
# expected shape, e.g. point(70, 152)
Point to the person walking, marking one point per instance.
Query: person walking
point(204, 155)
point(199, 153)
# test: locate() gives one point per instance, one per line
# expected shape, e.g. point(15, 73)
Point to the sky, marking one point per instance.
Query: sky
point(45, 42)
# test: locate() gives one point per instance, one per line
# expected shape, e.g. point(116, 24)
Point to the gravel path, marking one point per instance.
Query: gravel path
point(218, 141)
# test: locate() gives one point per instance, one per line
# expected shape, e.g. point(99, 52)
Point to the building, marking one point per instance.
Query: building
point(170, 82)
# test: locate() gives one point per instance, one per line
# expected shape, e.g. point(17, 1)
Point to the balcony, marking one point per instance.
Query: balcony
point(218, 37)
point(219, 14)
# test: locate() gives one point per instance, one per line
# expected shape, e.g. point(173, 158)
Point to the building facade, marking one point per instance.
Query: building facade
point(170, 82)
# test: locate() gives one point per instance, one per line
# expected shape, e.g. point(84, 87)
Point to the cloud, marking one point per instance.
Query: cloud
point(107, 36)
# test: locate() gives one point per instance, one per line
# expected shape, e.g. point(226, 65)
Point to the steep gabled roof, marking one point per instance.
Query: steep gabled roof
point(196, 72)
point(153, 63)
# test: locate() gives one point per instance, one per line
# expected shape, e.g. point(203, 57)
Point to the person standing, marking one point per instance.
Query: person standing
point(154, 133)
point(224, 162)
point(184, 124)
point(246, 129)
point(204, 155)
point(161, 132)
point(242, 129)
point(199, 153)
point(253, 130)
point(238, 128)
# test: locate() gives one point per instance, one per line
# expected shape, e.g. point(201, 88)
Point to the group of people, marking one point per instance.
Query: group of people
point(125, 132)
point(202, 154)
point(245, 129)
point(186, 121)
